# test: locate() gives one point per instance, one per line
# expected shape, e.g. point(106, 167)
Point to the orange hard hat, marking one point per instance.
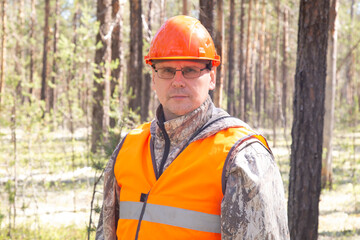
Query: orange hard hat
point(182, 37)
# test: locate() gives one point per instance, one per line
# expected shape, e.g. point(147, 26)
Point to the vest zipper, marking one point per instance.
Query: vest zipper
point(166, 150)
point(141, 216)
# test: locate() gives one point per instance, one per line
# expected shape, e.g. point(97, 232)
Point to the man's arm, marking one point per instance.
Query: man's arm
point(254, 205)
point(106, 229)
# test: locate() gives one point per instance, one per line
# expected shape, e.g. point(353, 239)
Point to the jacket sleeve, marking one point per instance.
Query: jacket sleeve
point(106, 229)
point(254, 205)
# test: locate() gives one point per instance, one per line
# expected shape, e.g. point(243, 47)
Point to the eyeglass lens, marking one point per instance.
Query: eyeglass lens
point(188, 72)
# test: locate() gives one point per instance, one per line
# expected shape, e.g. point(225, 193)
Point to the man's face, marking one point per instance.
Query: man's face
point(180, 95)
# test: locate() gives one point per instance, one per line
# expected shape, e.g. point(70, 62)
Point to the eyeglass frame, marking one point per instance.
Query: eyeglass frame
point(208, 66)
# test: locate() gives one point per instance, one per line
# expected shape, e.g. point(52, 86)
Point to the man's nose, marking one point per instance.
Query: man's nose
point(178, 80)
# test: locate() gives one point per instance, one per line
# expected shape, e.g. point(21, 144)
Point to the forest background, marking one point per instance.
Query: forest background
point(73, 82)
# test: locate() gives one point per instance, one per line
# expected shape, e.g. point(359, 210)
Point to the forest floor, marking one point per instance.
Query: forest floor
point(55, 188)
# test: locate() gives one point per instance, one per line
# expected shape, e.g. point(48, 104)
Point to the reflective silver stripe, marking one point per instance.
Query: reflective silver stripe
point(171, 216)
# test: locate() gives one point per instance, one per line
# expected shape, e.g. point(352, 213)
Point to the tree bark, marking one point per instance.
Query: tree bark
point(307, 130)
point(45, 52)
point(19, 51)
point(285, 68)
point(247, 80)
point(162, 11)
point(184, 7)
point(3, 51)
point(261, 83)
point(242, 63)
point(147, 77)
point(231, 92)
point(116, 39)
point(219, 44)
point(54, 65)
point(275, 108)
point(206, 16)
point(348, 87)
point(32, 46)
point(267, 81)
point(100, 115)
point(135, 79)
point(326, 170)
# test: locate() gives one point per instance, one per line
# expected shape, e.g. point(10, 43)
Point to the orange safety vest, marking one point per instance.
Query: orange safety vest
point(185, 202)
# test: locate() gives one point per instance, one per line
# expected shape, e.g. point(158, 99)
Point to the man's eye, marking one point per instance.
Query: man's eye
point(189, 70)
point(168, 70)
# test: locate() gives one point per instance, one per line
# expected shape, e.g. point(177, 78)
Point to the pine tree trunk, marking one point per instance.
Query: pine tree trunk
point(308, 120)
point(135, 78)
point(219, 44)
point(267, 81)
point(275, 108)
point(285, 68)
point(242, 60)
point(326, 170)
point(100, 112)
point(32, 46)
point(261, 83)
point(184, 7)
point(54, 67)
point(206, 15)
point(347, 90)
point(231, 94)
point(146, 99)
point(19, 51)
point(3, 50)
point(255, 66)
point(116, 39)
point(162, 11)
point(247, 79)
point(45, 52)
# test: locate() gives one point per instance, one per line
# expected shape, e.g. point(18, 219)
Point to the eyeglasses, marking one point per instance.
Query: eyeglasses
point(187, 72)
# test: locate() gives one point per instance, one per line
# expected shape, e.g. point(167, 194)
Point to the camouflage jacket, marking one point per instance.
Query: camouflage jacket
point(253, 206)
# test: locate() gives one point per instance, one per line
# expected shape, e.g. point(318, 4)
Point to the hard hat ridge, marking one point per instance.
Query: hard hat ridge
point(182, 37)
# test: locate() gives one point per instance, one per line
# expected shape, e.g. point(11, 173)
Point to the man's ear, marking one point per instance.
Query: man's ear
point(212, 78)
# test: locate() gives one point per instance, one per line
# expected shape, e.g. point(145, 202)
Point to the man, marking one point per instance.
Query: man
point(194, 172)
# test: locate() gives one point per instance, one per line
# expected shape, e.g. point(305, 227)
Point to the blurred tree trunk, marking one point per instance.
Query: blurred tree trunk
point(3, 50)
point(308, 120)
point(347, 89)
point(19, 51)
point(219, 44)
point(326, 170)
point(275, 108)
point(162, 11)
point(247, 79)
point(32, 46)
point(147, 77)
point(230, 86)
point(184, 7)
point(54, 66)
point(255, 73)
point(100, 112)
point(261, 79)
point(45, 54)
point(242, 63)
point(206, 16)
point(285, 68)
point(135, 79)
point(116, 41)
point(267, 77)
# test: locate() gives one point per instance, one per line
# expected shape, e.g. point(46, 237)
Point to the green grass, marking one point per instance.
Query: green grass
point(26, 231)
